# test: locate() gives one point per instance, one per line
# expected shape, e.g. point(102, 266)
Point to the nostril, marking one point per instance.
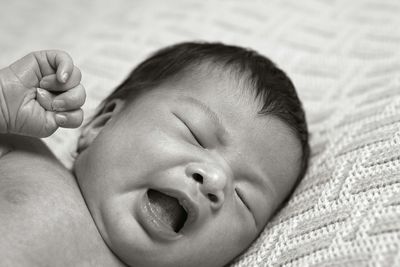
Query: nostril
point(212, 197)
point(198, 178)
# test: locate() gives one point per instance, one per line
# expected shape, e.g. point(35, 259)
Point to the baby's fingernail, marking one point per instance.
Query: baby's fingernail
point(58, 105)
point(64, 77)
point(41, 92)
point(61, 119)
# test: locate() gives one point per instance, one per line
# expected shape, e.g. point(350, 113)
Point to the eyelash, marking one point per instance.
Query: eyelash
point(239, 194)
point(191, 132)
point(195, 137)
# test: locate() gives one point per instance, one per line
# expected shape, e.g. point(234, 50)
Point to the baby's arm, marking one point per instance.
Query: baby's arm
point(39, 93)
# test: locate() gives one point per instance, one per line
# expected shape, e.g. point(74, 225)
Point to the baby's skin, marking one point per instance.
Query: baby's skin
point(187, 174)
point(43, 218)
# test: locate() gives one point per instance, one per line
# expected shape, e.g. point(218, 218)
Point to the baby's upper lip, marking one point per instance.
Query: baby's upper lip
point(185, 200)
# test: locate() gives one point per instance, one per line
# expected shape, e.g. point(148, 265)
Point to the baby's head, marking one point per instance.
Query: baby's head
point(187, 160)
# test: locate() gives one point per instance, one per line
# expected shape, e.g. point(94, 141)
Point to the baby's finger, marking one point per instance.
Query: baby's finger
point(54, 61)
point(72, 119)
point(70, 100)
point(45, 98)
point(62, 62)
point(51, 82)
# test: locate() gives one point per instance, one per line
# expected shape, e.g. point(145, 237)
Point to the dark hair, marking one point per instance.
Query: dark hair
point(270, 83)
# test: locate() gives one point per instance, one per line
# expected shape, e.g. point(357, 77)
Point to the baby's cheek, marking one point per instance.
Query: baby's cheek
point(226, 239)
point(161, 150)
point(237, 226)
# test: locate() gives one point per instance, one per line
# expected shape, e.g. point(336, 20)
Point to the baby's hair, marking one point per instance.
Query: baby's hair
point(270, 83)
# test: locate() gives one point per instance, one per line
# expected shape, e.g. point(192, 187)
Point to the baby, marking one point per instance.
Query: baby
point(183, 165)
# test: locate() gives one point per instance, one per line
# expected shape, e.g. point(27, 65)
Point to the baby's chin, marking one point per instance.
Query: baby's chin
point(139, 239)
point(120, 225)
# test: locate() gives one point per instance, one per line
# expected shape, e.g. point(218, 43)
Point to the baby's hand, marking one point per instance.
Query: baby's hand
point(39, 93)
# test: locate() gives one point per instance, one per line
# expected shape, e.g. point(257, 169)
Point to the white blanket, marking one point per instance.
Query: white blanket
point(344, 58)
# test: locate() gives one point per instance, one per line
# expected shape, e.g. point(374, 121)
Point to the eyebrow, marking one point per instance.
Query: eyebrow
point(222, 133)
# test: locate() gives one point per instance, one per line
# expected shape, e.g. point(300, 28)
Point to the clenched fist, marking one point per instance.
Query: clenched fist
point(39, 93)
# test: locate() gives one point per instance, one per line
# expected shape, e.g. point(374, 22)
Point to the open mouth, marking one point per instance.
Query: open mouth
point(167, 209)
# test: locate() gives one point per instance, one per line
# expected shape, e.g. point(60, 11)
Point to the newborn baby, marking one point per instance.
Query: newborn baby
point(186, 161)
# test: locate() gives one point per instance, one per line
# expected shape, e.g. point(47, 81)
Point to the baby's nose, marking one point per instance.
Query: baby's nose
point(212, 182)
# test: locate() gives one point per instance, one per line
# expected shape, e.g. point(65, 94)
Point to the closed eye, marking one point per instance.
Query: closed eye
point(194, 136)
point(191, 132)
point(240, 195)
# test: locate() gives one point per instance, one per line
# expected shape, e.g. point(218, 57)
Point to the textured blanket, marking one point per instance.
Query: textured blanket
point(344, 58)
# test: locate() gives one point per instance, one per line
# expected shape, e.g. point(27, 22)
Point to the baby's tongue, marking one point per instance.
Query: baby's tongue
point(168, 209)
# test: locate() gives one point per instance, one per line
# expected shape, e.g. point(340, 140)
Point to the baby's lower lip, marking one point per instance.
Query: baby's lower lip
point(152, 224)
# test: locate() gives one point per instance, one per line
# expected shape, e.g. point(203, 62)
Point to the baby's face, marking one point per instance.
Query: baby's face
point(188, 174)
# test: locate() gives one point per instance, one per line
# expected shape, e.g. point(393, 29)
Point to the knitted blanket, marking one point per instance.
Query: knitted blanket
point(344, 58)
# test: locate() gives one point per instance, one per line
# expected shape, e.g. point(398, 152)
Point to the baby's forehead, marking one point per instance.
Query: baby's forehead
point(222, 80)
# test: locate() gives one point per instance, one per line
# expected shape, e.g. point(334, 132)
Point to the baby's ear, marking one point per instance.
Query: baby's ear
point(94, 127)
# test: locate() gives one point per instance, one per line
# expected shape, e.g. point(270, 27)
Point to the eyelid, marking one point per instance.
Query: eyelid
point(194, 136)
point(190, 130)
point(240, 195)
